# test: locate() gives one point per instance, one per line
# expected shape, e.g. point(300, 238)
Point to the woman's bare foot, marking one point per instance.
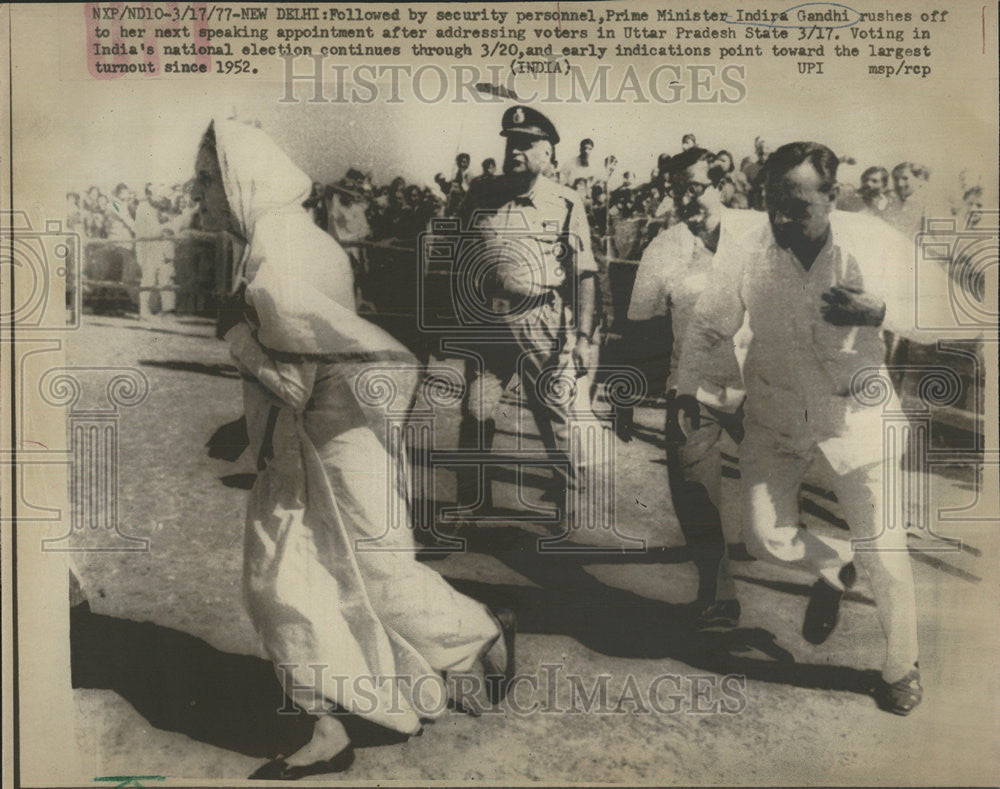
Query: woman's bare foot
point(329, 738)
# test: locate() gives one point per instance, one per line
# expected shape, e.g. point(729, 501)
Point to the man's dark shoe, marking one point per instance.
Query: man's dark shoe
point(720, 615)
point(902, 696)
point(824, 606)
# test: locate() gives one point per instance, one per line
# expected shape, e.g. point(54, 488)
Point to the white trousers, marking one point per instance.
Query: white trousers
point(772, 474)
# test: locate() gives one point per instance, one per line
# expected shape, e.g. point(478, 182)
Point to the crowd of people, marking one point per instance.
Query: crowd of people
point(129, 257)
point(96, 215)
point(398, 211)
point(624, 213)
point(355, 209)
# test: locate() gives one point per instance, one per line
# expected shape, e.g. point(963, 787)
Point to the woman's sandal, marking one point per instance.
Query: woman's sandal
point(280, 770)
point(902, 696)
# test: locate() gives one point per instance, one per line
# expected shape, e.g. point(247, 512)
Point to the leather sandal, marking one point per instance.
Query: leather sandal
point(280, 770)
point(902, 696)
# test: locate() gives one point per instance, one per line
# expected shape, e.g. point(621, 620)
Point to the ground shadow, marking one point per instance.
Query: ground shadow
point(178, 682)
point(244, 481)
point(229, 441)
point(802, 590)
point(648, 435)
point(149, 327)
point(216, 369)
point(496, 539)
point(568, 600)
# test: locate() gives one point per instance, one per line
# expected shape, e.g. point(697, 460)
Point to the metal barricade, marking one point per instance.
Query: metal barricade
point(195, 267)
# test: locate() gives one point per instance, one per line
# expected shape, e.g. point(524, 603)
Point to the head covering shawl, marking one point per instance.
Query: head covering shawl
point(299, 279)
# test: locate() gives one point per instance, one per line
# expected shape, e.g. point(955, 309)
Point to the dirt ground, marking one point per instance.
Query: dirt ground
point(172, 680)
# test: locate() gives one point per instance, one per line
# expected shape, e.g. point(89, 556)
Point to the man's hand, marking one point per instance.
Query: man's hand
point(851, 307)
point(686, 413)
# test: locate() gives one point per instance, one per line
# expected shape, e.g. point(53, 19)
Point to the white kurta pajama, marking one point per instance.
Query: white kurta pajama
point(155, 259)
point(800, 407)
point(345, 611)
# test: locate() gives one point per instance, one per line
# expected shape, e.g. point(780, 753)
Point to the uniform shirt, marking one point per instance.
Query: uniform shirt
point(674, 270)
point(527, 242)
point(801, 373)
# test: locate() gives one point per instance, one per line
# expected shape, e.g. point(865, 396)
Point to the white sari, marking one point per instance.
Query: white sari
point(345, 611)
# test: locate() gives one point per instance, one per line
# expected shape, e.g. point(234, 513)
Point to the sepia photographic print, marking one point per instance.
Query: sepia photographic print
point(503, 394)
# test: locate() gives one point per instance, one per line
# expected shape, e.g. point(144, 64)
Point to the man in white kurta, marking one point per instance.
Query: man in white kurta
point(817, 287)
point(675, 268)
point(155, 254)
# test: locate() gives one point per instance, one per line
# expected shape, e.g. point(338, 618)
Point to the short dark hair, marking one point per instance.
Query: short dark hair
point(586, 141)
point(919, 170)
point(732, 162)
point(688, 136)
point(487, 163)
point(791, 155)
point(688, 158)
point(881, 171)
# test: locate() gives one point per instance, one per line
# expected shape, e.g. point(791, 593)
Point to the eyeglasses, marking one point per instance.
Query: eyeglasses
point(691, 188)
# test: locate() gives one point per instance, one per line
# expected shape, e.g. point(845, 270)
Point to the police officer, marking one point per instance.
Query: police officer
point(539, 274)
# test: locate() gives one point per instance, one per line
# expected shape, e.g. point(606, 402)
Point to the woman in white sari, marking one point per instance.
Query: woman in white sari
point(351, 620)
